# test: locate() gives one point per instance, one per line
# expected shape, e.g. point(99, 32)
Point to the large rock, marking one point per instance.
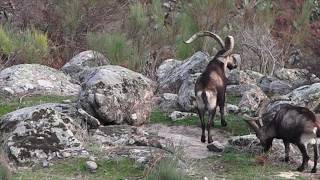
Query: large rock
point(41, 133)
point(172, 74)
point(83, 61)
point(166, 68)
point(169, 102)
point(186, 95)
point(296, 77)
point(307, 96)
point(116, 95)
point(35, 79)
point(236, 77)
point(252, 99)
point(270, 84)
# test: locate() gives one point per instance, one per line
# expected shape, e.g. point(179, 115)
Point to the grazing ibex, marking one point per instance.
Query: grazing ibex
point(210, 87)
point(293, 124)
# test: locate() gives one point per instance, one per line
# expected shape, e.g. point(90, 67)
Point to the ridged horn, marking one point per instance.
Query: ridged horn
point(252, 123)
point(229, 45)
point(206, 33)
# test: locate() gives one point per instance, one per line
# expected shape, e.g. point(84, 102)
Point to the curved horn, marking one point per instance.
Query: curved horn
point(206, 33)
point(229, 45)
point(252, 123)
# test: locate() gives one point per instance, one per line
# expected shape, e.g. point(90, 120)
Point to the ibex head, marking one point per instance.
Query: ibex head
point(231, 61)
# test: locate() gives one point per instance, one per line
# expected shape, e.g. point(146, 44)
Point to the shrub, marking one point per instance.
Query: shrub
point(34, 46)
point(167, 169)
point(137, 19)
point(7, 45)
point(186, 27)
point(112, 46)
point(30, 46)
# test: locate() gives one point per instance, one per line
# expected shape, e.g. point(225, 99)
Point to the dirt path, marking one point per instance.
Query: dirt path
point(189, 139)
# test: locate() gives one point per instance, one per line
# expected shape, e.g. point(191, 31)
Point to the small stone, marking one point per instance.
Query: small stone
point(92, 158)
point(67, 101)
point(232, 108)
point(205, 178)
point(177, 115)
point(8, 90)
point(91, 166)
point(66, 154)
point(215, 147)
point(45, 164)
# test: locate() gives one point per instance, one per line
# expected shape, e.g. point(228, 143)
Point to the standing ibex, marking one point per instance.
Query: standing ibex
point(210, 87)
point(293, 124)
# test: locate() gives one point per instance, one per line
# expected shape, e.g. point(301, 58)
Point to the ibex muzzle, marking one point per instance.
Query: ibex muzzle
point(210, 87)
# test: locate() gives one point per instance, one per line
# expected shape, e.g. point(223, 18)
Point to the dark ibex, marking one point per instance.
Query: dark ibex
point(210, 87)
point(293, 124)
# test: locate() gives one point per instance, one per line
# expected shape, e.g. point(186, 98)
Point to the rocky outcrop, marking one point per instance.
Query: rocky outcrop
point(251, 99)
point(116, 95)
point(35, 79)
point(296, 77)
point(168, 102)
point(186, 95)
point(84, 61)
point(236, 77)
point(42, 133)
point(307, 96)
point(171, 74)
point(124, 135)
point(270, 84)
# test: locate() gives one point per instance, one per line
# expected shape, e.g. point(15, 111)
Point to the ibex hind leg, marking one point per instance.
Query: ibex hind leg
point(201, 107)
point(210, 123)
point(212, 106)
point(201, 113)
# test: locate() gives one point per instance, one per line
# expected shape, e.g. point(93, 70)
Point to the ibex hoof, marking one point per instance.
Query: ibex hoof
point(300, 169)
point(284, 160)
point(314, 170)
point(203, 139)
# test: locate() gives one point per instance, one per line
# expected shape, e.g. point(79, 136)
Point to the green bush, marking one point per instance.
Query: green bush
point(112, 46)
point(34, 46)
point(31, 46)
point(7, 46)
point(167, 169)
point(138, 19)
point(186, 28)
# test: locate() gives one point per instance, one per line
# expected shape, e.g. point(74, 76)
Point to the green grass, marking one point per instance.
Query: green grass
point(239, 165)
point(236, 125)
point(232, 99)
point(9, 105)
point(75, 168)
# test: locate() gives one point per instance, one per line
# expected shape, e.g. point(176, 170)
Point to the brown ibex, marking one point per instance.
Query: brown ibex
point(293, 124)
point(210, 87)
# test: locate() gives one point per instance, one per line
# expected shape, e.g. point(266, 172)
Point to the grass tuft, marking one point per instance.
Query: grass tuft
point(9, 105)
point(75, 168)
